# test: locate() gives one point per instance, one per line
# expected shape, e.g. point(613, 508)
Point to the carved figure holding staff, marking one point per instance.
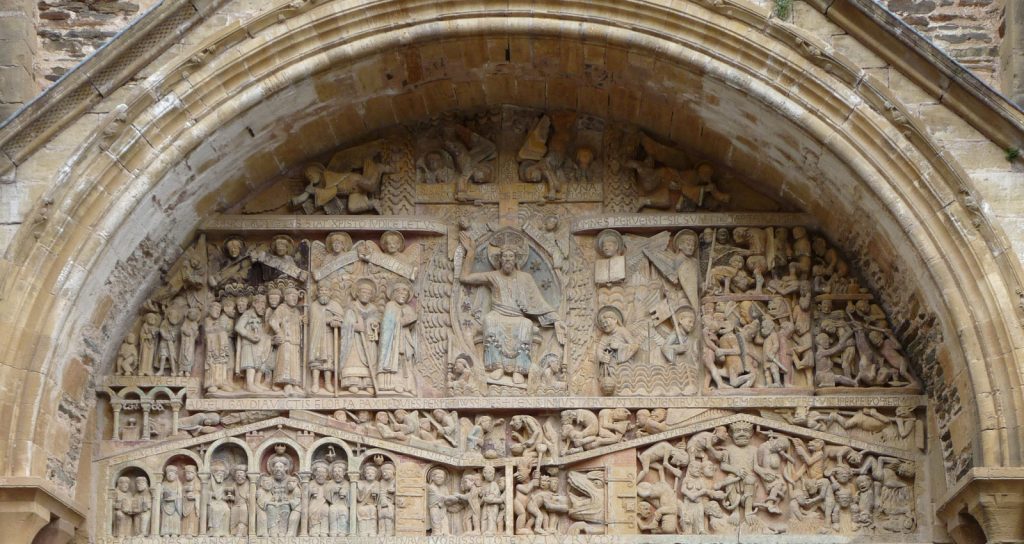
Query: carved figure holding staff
point(286, 325)
point(280, 260)
point(325, 322)
point(360, 332)
point(249, 329)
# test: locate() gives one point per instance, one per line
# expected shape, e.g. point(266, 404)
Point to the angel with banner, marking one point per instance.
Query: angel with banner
point(392, 255)
point(336, 254)
point(280, 260)
point(436, 166)
point(232, 261)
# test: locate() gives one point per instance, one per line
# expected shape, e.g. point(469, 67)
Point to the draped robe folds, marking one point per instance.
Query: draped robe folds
point(492, 499)
point(148, 337)
point(249, 329)
point(508, 327)
point(386, 508)
point(397, 346)
point(318, 509)
point(265, 350)
point(360, 351)
point(218, 516)
point(170, 338)
point(366, 511)
point(219, 353)
point(187, 352)
point(122, 514)
point(286, 322)
point(239, 516)
point(170, 509)
point(190, 507)
point(336, 494)
point(321, 334)
point(438, 509)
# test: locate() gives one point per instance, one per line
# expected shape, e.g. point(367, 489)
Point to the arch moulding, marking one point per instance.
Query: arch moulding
point(137, 169)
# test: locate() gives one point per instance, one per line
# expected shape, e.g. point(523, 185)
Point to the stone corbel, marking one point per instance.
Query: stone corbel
point(30, 510)
point(991, 496)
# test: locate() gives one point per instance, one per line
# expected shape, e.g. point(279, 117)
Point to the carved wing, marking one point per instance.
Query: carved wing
point(636, 249)
point(398, 190)
point(580, 300)
point(435, 321)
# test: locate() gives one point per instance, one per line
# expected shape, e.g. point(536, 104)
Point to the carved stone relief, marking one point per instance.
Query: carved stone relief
point(517, 323)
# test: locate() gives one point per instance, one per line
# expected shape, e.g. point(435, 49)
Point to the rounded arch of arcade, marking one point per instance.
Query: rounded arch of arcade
point(724, 79)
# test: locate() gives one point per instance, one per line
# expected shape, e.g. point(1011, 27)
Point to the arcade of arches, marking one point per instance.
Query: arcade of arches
point(614, 270)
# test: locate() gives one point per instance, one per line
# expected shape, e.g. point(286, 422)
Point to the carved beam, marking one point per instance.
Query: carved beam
point(640, 222)
point(321, 223)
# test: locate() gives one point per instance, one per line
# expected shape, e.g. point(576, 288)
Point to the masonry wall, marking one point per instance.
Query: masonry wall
point(970, 31)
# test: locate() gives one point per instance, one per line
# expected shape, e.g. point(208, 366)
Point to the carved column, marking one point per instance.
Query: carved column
point(109, 513)
point(175, 409)
point(204, 500)
point(353, 523)
point(254, 478)
point(116, 433)
point(154, 519)
point(144, 429)
point(304, 518)
point(510, 500)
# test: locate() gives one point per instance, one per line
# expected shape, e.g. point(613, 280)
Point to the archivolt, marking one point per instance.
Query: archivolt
point(180, 148)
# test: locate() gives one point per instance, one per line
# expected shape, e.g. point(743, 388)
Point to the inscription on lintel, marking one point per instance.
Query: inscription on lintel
point(532, 403)
point(314, 223)
point(689, 220)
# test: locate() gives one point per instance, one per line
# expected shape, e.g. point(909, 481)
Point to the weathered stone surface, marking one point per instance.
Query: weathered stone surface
point(108, 224)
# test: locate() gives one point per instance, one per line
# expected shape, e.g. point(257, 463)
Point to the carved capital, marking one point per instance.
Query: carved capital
point(994, 498)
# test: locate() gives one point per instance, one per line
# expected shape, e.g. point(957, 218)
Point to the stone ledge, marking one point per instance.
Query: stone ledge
point(44, 493)
point(994, 497)
point(31, 508)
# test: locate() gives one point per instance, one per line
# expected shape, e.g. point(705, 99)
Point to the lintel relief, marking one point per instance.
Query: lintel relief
point(515, 323)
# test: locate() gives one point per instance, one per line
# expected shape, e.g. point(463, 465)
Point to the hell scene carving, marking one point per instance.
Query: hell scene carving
point(515, 323)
